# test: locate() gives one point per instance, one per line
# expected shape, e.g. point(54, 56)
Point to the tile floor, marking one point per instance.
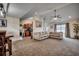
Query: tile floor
point(48, 47)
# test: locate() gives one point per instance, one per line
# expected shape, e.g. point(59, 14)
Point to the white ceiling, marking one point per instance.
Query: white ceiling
point(21, 9)
point(25, 10)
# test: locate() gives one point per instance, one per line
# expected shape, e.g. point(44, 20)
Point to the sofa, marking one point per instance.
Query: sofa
point(45, 35)
point(40, 35)
point(56, 35)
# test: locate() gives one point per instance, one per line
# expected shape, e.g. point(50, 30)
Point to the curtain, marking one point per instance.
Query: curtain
point(67, 31)
point(54, 27)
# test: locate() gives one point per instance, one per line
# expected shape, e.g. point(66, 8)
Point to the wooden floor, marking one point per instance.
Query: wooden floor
point(48, 47)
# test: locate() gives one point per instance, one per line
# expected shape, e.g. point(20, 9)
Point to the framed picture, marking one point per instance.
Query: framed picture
point(3, 23)
point(38, 23)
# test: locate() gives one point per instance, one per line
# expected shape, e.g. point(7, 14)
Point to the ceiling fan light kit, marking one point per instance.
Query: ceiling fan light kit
point(55, 18)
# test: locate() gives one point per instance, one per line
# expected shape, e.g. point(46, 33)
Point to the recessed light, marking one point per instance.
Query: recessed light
point(36, 13)
point(70, 16)
point(30, 18)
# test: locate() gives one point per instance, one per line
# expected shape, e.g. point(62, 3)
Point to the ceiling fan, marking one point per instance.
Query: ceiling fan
point(1, 9)
point(55, 17)
point(3, 12)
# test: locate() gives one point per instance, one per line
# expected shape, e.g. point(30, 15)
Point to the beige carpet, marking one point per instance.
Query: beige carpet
point(48, 47)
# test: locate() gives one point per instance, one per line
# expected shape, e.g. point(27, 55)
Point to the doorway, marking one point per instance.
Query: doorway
point(26, 29)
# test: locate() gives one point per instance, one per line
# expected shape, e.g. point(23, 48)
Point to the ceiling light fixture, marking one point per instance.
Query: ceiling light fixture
point(1, 13)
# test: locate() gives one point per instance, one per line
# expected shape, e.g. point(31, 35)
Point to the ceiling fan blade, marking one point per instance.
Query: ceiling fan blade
point(58, 15)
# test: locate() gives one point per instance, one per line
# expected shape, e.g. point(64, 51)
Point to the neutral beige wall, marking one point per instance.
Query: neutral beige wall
point(71, 27)
point(12, 27)
point(40, 29)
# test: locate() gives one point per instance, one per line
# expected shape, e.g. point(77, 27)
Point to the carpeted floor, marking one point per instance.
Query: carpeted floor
point(48, 47)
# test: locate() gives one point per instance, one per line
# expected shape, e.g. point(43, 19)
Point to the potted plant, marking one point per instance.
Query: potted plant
point(76, 30)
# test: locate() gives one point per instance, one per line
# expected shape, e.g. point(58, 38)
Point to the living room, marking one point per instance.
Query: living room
point(40, 29)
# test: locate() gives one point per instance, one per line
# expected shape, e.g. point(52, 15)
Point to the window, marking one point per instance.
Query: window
point(61, 28)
